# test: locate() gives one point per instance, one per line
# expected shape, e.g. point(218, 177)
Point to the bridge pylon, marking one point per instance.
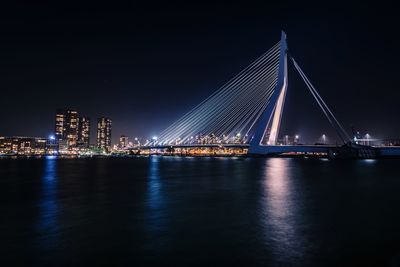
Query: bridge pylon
point(267, 130)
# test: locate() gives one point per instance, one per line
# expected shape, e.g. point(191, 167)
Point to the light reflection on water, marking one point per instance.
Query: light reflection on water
point(156, 214)
point(48, 226)
point(154, 199)
point(280, 212)
point(199, 211)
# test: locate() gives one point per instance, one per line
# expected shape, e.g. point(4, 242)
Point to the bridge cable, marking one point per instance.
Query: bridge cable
point(215, 99)
point(328, 113)
point(237, 95)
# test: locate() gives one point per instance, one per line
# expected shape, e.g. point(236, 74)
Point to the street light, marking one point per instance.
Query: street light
point(324, 139)
point(137, 141)
point(154, 139)
point(367, 136)
point(296, 139)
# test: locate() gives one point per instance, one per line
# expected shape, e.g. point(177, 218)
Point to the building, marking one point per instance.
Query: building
point(66, 127)
point(123, 142)
point(83, 132)
point(104, 133)
point(23, 145)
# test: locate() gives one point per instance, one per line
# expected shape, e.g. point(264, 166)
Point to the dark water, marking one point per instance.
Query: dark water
point(199, 211)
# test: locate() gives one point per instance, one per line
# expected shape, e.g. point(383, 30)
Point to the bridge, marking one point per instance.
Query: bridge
point(246, 112)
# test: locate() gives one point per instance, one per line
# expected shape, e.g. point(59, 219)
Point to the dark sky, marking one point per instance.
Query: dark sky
point(146, 65)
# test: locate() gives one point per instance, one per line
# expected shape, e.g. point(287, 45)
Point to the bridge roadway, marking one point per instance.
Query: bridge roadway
point(271, 149)
point(197, 146)
point(382, 151)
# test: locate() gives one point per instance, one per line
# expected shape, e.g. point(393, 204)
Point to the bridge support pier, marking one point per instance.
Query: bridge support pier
point(274, 109)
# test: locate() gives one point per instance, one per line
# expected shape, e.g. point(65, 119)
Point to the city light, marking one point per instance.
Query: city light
point(367, 137)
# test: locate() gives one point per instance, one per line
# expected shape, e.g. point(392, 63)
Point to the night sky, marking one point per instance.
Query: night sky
point(144, 66)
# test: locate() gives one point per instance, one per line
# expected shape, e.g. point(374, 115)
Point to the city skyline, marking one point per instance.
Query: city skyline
point(196, 133)
point(91, 68)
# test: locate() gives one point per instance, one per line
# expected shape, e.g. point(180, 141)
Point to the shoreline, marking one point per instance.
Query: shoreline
point(186, 156)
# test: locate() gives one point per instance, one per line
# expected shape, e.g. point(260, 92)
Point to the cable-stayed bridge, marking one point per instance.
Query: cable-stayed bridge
point(246, 112)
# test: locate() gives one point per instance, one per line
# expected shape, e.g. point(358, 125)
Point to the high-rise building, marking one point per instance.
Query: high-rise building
point(104, 133)
point(83, 132)
point(66, 127)
point(123, 141)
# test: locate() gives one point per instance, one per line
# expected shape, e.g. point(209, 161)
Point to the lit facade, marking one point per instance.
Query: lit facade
point(104, 133)
point(83, 132)
point(123, 141)
point(23, 145)
point(66, 127)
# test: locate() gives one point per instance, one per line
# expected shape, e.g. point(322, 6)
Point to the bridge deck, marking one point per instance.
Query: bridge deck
point(197, 146)
point(277, 150)
point(269, 149)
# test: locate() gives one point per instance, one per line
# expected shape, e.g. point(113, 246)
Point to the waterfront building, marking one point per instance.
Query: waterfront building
point(123, 142)
point(5, 145)
point(83, 132)
point(66, 127)
point(391, 142)
point(23, 145)
point(104, 133)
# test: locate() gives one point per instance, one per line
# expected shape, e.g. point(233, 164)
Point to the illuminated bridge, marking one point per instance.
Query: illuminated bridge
point(246, 112)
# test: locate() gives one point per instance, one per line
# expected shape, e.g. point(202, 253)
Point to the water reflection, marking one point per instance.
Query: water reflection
point(154, 199)
point(155, 202)
point(48, 216)
point(280, 217)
